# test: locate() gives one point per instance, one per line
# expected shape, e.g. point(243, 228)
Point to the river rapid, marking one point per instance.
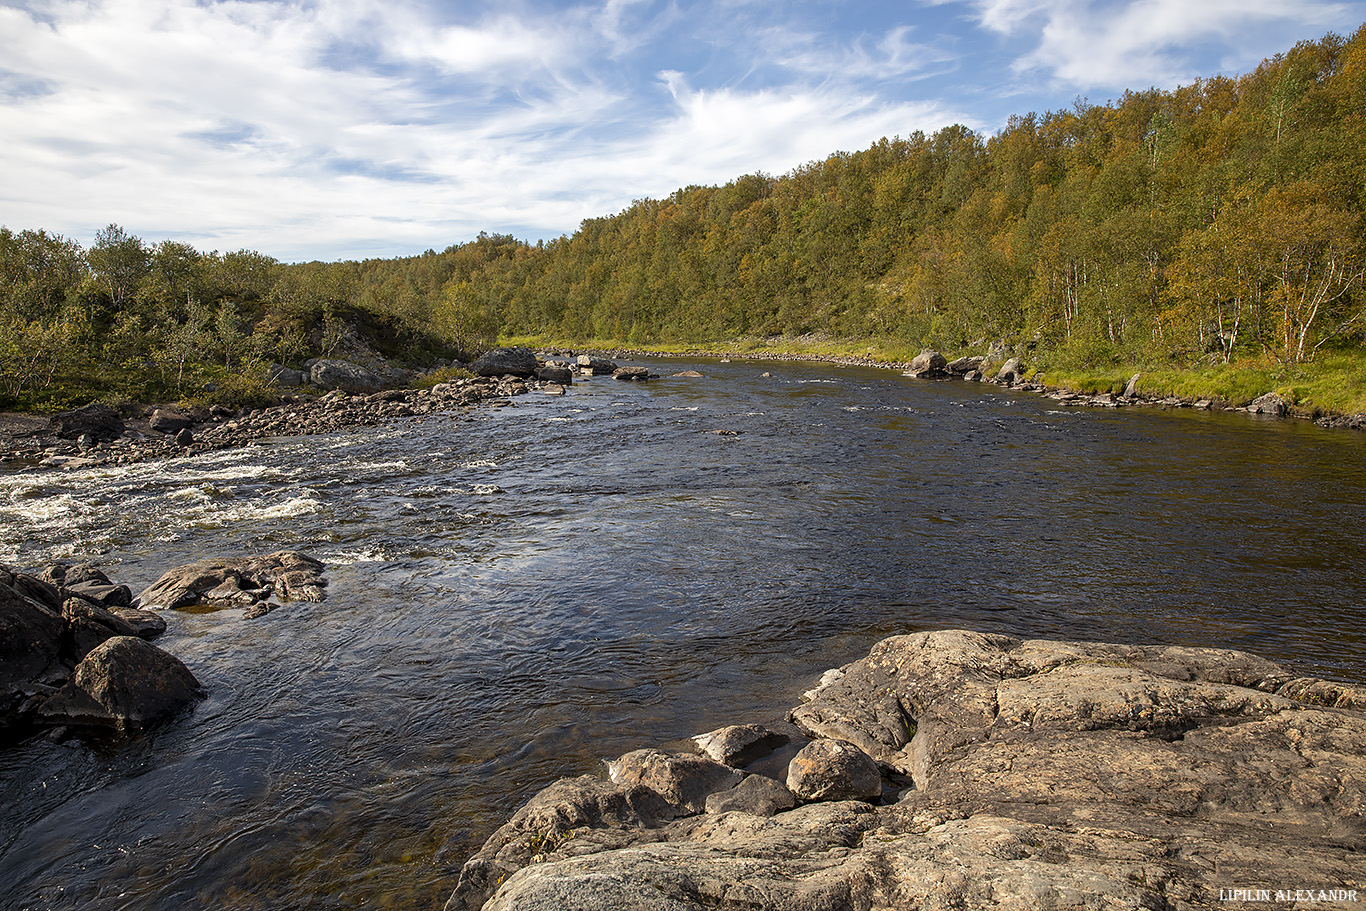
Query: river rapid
point(519, 593)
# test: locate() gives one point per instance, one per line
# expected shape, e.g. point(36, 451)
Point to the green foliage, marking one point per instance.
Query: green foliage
point(246, 387)
point(1212, 226)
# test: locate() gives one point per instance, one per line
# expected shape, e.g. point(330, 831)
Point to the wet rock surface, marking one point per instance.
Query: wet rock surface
point(286, 575)
point(1015, 773)
point(75, 655)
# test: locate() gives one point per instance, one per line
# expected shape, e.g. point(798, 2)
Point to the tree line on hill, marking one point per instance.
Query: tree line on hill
point(1216, 222)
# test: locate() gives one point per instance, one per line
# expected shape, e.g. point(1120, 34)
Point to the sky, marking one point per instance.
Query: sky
point(348, 129)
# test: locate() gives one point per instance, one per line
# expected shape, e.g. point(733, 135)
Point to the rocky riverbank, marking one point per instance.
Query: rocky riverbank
point(99, 434)
point(964, 770)
point(999, 367)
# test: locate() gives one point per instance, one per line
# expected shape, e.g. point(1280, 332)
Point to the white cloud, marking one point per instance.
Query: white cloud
point(345, 128)
point(1134, 44)
point(889, 56)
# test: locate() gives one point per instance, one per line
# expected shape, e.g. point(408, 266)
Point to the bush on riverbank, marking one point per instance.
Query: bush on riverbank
point(1214, 231)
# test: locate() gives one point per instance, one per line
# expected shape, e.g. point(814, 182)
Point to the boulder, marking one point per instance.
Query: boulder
point(965, 365)
point(184, 437)
point(691, 374)
point(1046, 774)
point(281, 375)
point(928, 363)
point(520, 362)
point(87, 626)
point(106, 594)
point(144, 623)
point(596, 366)
point(334, 374)
point(757, 795)
point(126, 684)
point(558, 374)
point(30, 647)
point(833, 770)
point(100, 422)
point(635, 374)
point(1271, 403)
point(286, 574)
point(169, 420)
point(738, 745)
point(1011, 372)
point(1131, 388)
point(683, 780)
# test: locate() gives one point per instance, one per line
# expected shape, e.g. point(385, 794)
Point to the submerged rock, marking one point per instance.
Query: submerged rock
point(1046, 774)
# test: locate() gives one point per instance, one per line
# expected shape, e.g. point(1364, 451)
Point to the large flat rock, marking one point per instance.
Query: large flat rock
point(1042, 775)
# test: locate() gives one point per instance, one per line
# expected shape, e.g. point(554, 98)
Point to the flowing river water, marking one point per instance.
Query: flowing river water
point(518, 593)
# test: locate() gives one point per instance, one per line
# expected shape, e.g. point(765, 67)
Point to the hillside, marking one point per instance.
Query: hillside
point(1212, 228)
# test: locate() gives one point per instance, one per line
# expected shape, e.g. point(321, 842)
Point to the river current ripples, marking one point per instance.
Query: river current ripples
point(519, 593)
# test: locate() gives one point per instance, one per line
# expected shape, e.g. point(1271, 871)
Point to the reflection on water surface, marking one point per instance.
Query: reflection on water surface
point(518, 593)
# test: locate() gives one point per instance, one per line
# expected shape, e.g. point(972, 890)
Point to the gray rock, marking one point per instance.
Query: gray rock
point(928, 363)
point(126, 684)
point(520, 362)
point(833, 770)
point(1047, 774)
point(144, 623)
point(966, 365)
point(633, 374)
point(30, 646)
point(685, 781)
point(169, 420)
point(596, 366)
point(347, 377)
point(1271, 403)
point(87, 626)
point(184, 437)
point(739, 744)
point(757, 795)
point(101, 422)
point(106, 594)
point(286, 574)
point(1011, 372)
point(557, 374)
point(1131, 389)
point(547, 822)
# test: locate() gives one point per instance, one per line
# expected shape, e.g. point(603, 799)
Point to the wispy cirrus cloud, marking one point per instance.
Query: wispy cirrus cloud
point(1139, 43)
point(347, 128)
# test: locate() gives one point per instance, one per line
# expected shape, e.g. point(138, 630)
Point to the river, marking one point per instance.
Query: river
point(519, 593)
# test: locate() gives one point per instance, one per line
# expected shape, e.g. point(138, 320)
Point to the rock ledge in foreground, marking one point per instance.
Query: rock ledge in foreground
point(1045, 774)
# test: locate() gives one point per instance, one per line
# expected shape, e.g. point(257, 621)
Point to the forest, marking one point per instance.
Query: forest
point(1215, 225)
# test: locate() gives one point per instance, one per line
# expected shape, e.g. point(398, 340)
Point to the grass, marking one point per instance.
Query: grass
point(1334, 383)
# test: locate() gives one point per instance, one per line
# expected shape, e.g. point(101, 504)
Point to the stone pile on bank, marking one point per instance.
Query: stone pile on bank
point(1008, 774)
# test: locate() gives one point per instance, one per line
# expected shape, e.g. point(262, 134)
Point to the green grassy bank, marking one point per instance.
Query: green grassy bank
point(1334, 384)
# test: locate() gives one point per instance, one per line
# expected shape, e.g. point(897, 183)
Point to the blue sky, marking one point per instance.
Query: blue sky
point(338, 129)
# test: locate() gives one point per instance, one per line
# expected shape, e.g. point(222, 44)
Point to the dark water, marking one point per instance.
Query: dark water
point(519, 593)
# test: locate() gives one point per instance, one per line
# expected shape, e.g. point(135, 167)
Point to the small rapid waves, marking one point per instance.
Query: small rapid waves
point(518, 593)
